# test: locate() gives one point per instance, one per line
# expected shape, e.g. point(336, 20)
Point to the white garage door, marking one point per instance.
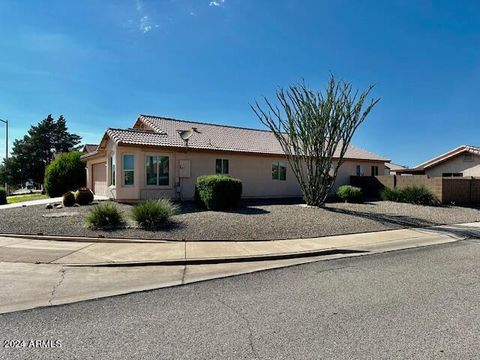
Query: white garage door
point(99, 177)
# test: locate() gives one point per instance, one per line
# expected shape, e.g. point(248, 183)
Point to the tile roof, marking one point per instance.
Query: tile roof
point(394, 167)
point(448, 155)
point(89, 148)
point(210, 137)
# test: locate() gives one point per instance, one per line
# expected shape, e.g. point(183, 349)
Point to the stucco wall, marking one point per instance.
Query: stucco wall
point(457, 165)
point(255, 172)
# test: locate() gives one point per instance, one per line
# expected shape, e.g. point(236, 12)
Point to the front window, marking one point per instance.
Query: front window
point(221, 166)
point(128, 169)
point(360, 171)
point(157, 170)
point(374, 170)
point(112, 170)
point(279, 170)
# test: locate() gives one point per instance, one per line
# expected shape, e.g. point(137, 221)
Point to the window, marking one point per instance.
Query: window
point(452, 174)
point(112, 170)
point(279, 170)
point(468, 157)
point(374, 170)
point(221, 166)
point(128, 169)
point(157, 170)
point(360, 171)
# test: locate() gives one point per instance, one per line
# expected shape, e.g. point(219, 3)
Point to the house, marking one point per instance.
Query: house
point(392, 169)
point(89, 148)
point(463, 161)
point(162, 157)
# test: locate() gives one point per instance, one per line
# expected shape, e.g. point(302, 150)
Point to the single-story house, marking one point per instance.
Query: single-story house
point(89, 148)
point(162, 157)
point(391, 168)
point(463, 161)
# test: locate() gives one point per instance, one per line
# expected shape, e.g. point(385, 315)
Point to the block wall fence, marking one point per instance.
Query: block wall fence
point(461, 191)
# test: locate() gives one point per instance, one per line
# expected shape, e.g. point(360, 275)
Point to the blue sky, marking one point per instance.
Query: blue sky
point(101, 63)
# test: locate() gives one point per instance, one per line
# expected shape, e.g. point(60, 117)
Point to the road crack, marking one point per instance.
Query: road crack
point(62, 272)
point(247, 322)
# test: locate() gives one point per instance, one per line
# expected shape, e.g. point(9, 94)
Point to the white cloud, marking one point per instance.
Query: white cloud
point(144, 23)
point(216, 3)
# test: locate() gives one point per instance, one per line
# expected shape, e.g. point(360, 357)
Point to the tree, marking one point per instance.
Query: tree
point(36, 150)
point(65, 173)
point(313, 128)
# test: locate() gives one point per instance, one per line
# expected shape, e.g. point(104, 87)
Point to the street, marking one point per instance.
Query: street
point(417, 303)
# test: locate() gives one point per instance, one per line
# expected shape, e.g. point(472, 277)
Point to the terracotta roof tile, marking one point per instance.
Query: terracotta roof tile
point(211, 137)
point(90, 148)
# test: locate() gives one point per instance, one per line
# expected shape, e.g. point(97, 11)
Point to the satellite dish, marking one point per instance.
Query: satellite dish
point(186, 134)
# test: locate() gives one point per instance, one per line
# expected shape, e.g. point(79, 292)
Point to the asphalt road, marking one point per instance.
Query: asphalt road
point(421, 303)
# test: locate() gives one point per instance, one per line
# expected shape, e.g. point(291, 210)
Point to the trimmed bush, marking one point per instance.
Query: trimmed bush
point(418, 195)
point(3, 196)
point(216, 192)
point(349, 193)
point(64, 173)
point(105, 216)
point(68, 199)
point(84, 196)
point(152, 214)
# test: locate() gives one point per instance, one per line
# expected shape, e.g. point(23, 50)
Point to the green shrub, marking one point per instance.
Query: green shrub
point(388, 194)
point(64, 173)
point(3, 196)
point(105, 215)
point(84, 196)
point(152, 214)
point(68, 199)
point(418, 195)
point(215, 192)
point(349, 193)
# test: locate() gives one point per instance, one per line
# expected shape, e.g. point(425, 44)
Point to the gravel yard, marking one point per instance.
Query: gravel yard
point(254, 221)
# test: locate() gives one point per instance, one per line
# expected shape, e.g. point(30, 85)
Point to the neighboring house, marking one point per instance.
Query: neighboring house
point(392, 169)
point(153, 160)
point(89, 148)
point(463, 161)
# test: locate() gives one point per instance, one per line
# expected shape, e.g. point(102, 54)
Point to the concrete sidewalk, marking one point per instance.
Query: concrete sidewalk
point(41, 273)
point(42, 202)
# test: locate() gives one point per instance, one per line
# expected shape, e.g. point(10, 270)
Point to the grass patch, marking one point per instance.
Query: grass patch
point(28, 197)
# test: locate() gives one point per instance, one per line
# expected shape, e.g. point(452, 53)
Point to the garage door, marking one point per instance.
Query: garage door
point(99, 177)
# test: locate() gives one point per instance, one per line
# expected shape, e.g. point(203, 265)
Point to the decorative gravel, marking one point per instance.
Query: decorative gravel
point(253, 221)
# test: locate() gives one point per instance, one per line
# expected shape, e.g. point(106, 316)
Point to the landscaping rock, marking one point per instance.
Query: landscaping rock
point(61, 214)
point(49, 206)
point(58, 206)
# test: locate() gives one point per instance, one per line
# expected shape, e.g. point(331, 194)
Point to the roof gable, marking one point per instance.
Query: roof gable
point(448, 155)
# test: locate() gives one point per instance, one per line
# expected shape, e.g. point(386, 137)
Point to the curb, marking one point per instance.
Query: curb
point(224, 260)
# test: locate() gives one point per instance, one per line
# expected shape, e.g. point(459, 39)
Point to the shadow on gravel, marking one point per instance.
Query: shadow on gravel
point(458, 231)
point(397, 220)
point(245, 208)
point(408, 221)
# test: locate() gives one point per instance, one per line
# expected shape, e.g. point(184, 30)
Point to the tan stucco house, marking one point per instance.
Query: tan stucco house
point(463, 161)
point(153, 160)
